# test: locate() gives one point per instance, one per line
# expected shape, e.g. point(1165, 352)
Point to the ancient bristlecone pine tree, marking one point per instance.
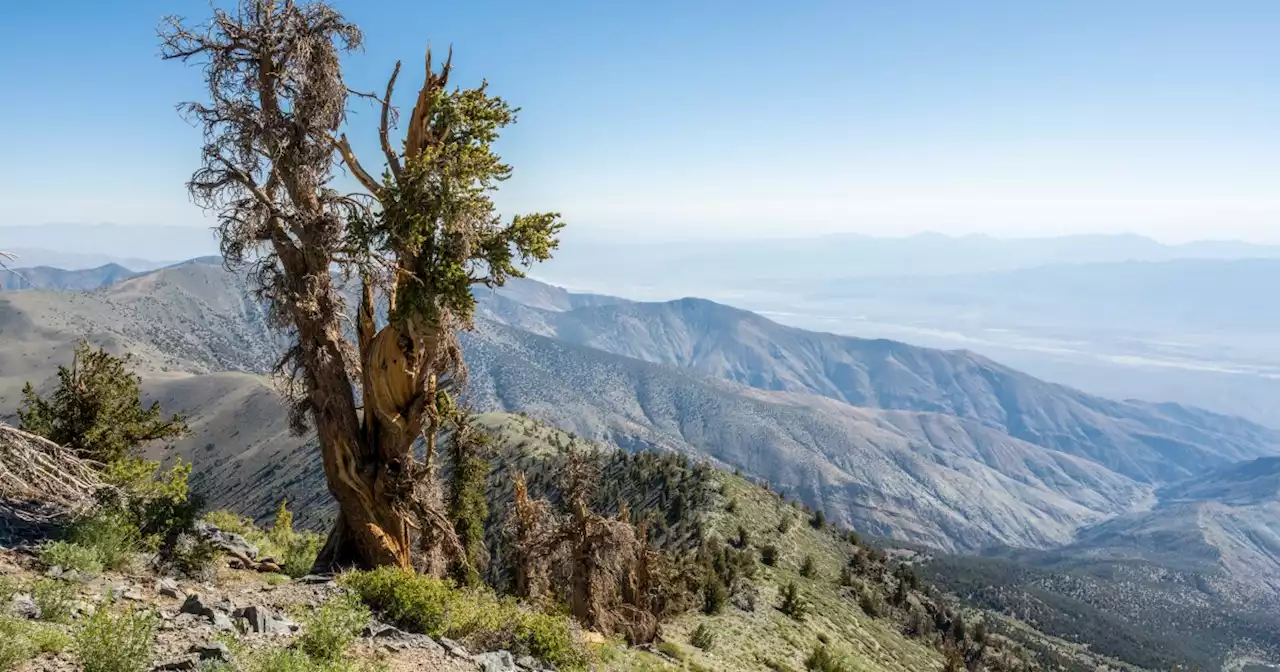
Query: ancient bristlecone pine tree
point(417, 241)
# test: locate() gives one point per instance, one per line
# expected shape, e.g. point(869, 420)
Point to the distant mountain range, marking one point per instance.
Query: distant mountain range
point(49, 277)
point(944, 448)
point(694, 265)
point(706, 265)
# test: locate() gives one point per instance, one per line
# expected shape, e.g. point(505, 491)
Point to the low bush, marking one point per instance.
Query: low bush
point(123, 642)
point(825, 659)
point(68, 555)
point(109, 535)
point(672, 650)
point(158, 505)
point(703, 637)
point(294, 550)
point(9, 586)
point(871, 602)
point(714, 595)
point(55, 598)
point(808, 568)
point(332, 628)
point(193, 556)
point(793, 604)
point(432, 606)
point(769, 555)
point(21, 640)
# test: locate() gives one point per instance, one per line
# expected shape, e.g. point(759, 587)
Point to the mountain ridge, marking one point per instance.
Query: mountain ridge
point(724, 342)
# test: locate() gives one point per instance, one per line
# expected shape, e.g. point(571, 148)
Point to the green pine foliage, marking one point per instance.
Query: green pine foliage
point(807, 567)
point(97, 408)
point(703, 637)
point(793, 604)
point(468, 506)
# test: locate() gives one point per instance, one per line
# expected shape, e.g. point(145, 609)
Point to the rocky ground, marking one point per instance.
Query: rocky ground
point(231, 615)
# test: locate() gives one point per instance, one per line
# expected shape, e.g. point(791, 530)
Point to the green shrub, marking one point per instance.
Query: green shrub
point(109, 535)
point(294, 660)
point(824, 659)
point(9, 586)
point(784, 525)
point(819, 520)
point(871, 602)
point(769, 555)
point(158, 504)
point(424, 604)
point(70, 555)
point(22, 640)
point(54, 597)
point(793, 605)
point(703, 637)
point(714, 595)
point(332, 628)
point(123, 642)
point(47, 638)
point(807, 567)
point(672, 650)
point(15, 649)
point(229, 521)
point(193, 556)
point(299, 555)
point(295, 550)
point(97, 409)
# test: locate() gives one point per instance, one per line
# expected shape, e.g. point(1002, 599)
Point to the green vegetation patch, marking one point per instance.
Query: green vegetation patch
point(437, 608)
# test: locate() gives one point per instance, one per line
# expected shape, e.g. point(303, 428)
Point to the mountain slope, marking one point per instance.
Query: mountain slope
point(1225, 523)
point(928, 477)
point(1147, 442)
point(48, 277)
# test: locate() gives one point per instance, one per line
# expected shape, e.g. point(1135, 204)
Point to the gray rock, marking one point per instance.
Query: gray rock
point(454, 648)
point(528, 663)
point(227, 541)
point(194, 604)
point(221, 621)
point(185, 619)
point(134, 595)
point(282, 624)
point(402, 639)
point(25, 606)
point(315, 578)
point(258, 618)
point(187, 662)
point(376, 629)
point(496, 661)
point(169, 588)
point(211, 651)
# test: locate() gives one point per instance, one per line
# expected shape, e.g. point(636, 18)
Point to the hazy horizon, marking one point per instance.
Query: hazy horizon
point(83, 245)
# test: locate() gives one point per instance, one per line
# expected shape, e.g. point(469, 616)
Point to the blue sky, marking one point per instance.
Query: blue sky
point(663, 120)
